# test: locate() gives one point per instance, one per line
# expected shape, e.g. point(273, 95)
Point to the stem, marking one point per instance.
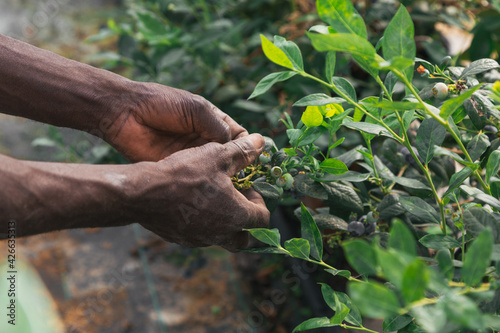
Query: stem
point(352, 102)
point(382, 85)
point(357, 328)
point(434, 300)
point(446, 125)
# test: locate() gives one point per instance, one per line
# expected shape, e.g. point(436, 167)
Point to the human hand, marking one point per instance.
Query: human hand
point(188, 198)
point(167, 120)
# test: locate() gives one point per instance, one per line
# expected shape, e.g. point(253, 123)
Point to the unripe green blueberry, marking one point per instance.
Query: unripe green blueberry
point(285, 181)
point(440, 90)
point(264, 157)
point(276, 171)
point(280, 190)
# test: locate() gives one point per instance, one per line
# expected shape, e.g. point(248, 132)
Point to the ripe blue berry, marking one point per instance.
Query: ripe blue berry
point(276, 171)
point(491, 132)
point(370, 228)
point(285, 181)
point(264, 157)
point(356, 228)
point(440, 90)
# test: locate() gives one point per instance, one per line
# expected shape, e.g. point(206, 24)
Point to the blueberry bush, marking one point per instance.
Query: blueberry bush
point(415, 206)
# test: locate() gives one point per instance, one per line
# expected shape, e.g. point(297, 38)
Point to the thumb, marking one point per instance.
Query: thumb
point(239, 153)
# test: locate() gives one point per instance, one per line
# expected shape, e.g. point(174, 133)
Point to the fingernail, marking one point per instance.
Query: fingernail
point(258, 140)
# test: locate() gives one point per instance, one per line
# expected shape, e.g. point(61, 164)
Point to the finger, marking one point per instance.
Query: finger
point(259, 214)
point(237, 131)
point(239, 153)
point(237, 242)
point(209, 125)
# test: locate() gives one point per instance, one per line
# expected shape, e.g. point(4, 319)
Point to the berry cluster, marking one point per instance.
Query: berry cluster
point(366, 225)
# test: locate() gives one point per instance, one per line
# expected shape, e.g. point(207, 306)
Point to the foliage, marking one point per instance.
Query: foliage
point(431, 263)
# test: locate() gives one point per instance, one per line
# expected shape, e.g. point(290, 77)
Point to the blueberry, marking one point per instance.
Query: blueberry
point(264, 158)
point(370, 228)
point(362, 219)
point(407, 156)
point(276, 171)
point(491, 132)
point(285, 181)
point(356, 228)
point(440, 90)
point(370, 218)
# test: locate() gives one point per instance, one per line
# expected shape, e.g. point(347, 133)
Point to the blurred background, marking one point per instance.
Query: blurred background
point(127, 279)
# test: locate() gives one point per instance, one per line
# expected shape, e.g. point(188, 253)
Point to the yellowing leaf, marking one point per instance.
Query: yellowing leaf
point(333, 109)
point(312, 116)
point(274, 53)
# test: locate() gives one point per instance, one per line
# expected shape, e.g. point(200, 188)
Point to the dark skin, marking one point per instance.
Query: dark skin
point(185, 151)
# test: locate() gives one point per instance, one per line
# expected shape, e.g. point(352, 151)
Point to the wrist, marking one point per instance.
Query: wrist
point(44, 197)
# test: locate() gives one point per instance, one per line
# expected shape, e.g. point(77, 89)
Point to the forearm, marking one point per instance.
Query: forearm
point(43, 86)
point(43, 197)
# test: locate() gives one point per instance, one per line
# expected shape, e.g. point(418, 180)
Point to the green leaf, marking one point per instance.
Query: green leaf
point(344, 86)
point(265, 250)
point(150, 24)
point(313, 323)
point(333, 166)
point(335, 272)
point(411, 183)
point(429, 134)
point(43, 142)
point(431, 318)
point(457, 179)
point(266, 190)
point(311, 135)
point(492, 321)
point(451, 105)
point(330, 65)
point(308, 186)
point(392, 263)
point(374, 299)
point(343, 197)
point(35, 307)
point(462, 310)
point(267, 82)
point(291, 50)
point(415, 279)
point(479, 66)
point(349, 176)
point(310, 232)
point(343, 42)
point(360, 256)
point(341, 16)
point(420, 209)
point(445, 263)
point(353, 317)
point(399, 39)
point(312, 116)
point(480, 195)
point(400, 238)
point(477, 219)
point(368, 128)
point(477, 258)
point(340, 313)
point(493, 165)
point(396, 323)
point(394, 106)
point(477, 146)
point(298, 248)
point(267, 236)
point(318, 100)
point(275, 54)
point(439, 241)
